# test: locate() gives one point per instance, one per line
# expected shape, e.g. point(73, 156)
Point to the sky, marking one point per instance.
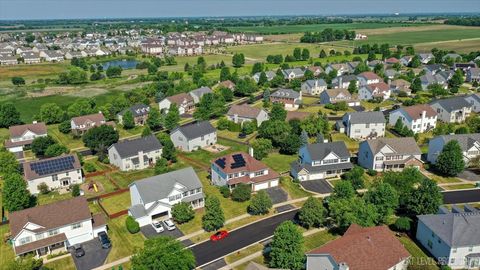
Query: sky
point(74, 9)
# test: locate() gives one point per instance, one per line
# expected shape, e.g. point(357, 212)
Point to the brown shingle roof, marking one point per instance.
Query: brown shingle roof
point(370, 75)
point(40, 243)
point(18, 131)
point(405, 145)
point(30, 174)
point(244, 111)
point(179, 98)
point(51, 216)
point(374, 248)
point(415, 112)
point(98, 118)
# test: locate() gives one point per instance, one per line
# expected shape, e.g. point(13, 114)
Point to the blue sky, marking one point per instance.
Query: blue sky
point(66, 9)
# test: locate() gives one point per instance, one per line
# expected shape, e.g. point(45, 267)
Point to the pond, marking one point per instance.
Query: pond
point(124, 64)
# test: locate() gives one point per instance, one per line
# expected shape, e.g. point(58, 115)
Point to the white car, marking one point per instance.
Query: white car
point(157, 226)
point(169, 224)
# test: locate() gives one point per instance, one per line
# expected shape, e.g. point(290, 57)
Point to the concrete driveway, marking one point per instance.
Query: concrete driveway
point(277, 194)
point(94, 256)
point(149, 232)
point(318, 186)
point(469, 176)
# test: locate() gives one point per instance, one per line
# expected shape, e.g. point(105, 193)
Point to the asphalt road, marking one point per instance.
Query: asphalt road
point(461, 196)
point(209, 251)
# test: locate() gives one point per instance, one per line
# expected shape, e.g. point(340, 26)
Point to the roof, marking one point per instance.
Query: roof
point(452, 104)
point(374, 248)
point(321, 168)
point(96, 117)
point(180, 98)
point(199, 92)
point(370, 76)
point(137, 110)
point(18, 131)
point(318, 151)
point(366, 117)
point(244, 111)
point(159, 187)
point(195, 130)
point(48, 241)
point(129, 148)
point(286, 93)
point(50, 166)
point(405, 145)
point(455, 229)
point(52, 215)
point(314, 83)
point(381, 86)
point(416, 111)
point(466, 141)
point(333, 93)
point(237, 162)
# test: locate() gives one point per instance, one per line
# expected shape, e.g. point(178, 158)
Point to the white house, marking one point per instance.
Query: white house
point(81, 124)
point(418, 118)
point(291, 99)
point(52, 228)
point(194, 136)
point(452, 110)
point(362, 125)
point(474, 100)
point(293, 73)
point(320, 161)
point(244, 113)
point(375, 90)
point(153, 198)
point(369, 77)
point(52, 56)
point(23, 135)
point(56, 172)
point(314, 87)
point(135, 154)
point(469, 143)
point(332, 96)
point(183, 101)
point(385, 154)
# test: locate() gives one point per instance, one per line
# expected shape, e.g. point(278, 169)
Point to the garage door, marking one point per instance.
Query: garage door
point(160, 216)
point(261, 186)
point(274, 183)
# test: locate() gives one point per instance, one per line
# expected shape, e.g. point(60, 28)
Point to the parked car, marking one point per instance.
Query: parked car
point(78, 250)
point(157, 225)
point(219, 236)
point(242, 135)
point(104, 240)
point(169, 224)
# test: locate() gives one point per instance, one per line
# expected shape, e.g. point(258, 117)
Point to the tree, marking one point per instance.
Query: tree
point(65, 127)
point(260, 203)
point(416, 85)
point(297, 54)
point(132, 225)
point(182, 212)
point(75, 190)
point(290, 144)
point(245, 87)
point(403, 182)
point(114, 71)
point(18, 81)
point(248, 127)
point(241, 193)
point(347, 211)
point(40, 144)
point(278, 112)
point(75, 75)
point(168, 150)
point(154, 120)
point(213, 219)
point(352, 87)
point(356, 177)
point(450, 161)
point(437, 90)
point(51, 113)
point(287, 247)
point(8, 163)
point(226, 93)
point(163, 253)
point(55, 150)
point(210, 105)
point(322, 54)
point(261, 148)
point(403, 224)
point(257, 67)
point(100, 138)
point(161, 166)
point(312, 213)
point(415, 62)
point(384, 197)
point(146, 131)
point(25, 263)
point(262, 79)
point(456, 81)
point(225, 74)
point(304, 138)
point(9, 116)
point(274, 130)
point(425, 199)
point(81, 107)
point(173, 117)
point(238, 60)
point(127, 120)
point(305, 54)
point(343, 190)
point(15, 194)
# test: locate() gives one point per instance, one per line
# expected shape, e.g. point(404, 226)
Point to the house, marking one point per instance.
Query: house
point(426, 57)
point(368, 77)
point(418, 118)
point(135, 154)
point(405, 60)
point(400, 85)
point(473, 75)
point(320, 161)
point(23, 135)
point(227, 84)
point(52, 56)
point(236, 168)
point(183, 101)
point(293, 73)
point(434, 68)
point(244, 113)
point(440, 78)
point(314, 87)
point(391, 73)
point(464, 66)
point(375, 91)
point(469, 143)
point(290, 98)
point(373, 248)
point(385, 154)
point(82, 124)
point(363, 125)
point(270, 75)
point(194, 136)
point(153, 198)
point(341, 68)
point(453, 56)
point(344, 81)
point(453, 237)
point(56, 172)
point(139, 113)
point(474, 100)
point(6, 60)
point(332, 96)
point(197, 94)
point(452, 110)
point(53, 228)
point(30, 58)
point(75, 54)
point(316, 70)
point(391, 61)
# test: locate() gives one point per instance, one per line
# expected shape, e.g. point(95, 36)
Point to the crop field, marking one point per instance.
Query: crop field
point(464, 46)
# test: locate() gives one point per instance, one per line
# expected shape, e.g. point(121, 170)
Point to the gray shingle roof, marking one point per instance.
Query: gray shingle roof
point(319, 151)
point(137, 110)
point(311, 83)
point(466, 141)
point(406, 146)
point(159, 186)
point(201, 91)
point(452, 104)
point(129, 148)
point(322, 168)
point(366, 117)
point(286, 93)
point(195, 130)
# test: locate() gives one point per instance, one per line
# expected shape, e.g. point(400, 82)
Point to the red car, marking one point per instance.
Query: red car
point(219, 236)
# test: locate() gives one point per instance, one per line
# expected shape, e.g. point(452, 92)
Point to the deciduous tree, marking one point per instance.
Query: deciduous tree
point(163, 253)
point(287, 247)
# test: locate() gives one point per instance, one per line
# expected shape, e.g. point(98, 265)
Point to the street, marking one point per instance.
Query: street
point(461, 196)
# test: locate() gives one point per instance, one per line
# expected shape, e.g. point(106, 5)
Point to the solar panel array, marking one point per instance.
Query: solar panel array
point(239, 161)
point(220, 162)
point(53, 165)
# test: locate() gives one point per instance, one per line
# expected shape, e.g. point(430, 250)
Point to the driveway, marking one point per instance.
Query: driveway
point(149, 232)
point(277, 194)
point(318, 186)
point(94, 257)
point(358, 108)
point(469, 176)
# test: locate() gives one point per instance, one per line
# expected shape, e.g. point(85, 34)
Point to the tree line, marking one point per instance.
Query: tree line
point(328, 34)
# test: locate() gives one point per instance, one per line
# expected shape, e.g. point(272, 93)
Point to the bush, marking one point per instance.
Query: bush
point(64, 127)
point(260, 204)
point(132, 225)
point(75, 190)
point(402, 224)
point(241, 193)
point(249, 127)
point(225, 191)
point(223, 123)
point(371, 172)
point(182, 212)
point(234, 127)
point(43, 188)
point(89, 167)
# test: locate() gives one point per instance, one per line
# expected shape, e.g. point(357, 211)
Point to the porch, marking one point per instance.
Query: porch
point(43, 247)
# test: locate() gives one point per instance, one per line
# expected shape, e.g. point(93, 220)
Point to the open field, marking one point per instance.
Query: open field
point(32, 71)
point(465, 46)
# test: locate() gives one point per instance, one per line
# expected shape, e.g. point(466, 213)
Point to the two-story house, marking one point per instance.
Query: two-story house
point(194, 136)
point(153, 198)
point(22, 136)
point(289, 98)
point(314, 87)
point(375, 91)
point(469, 143)
point(332, 96)
point(320, 161)
point(52, 228)
point(418, 118)
point(453, 238)
point(81, 124)
point(293, 73)
point(270, 75)
point(474, 100)
point(372, 248)
point(198, 93)
point(135, 154)
point(385, 154)
point(362, 125)
point(368, 77)
point(240, 167)
point(473, 75)
point(244, 113)
point(344, 81)
point(452, 110)
point(139, 113)
point(183, 101)
point(56, 172)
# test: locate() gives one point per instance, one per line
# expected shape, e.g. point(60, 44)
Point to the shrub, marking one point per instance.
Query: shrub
point(75, 190)
point(249, 127)
point(223, 123)
point(371, 172)
point(43, 188)
point(132, 225)
point(225, 191)
point(241, 193)
point(234, 127)
point(402, 224)
point(260, 204)
point(89, 167)
point(64, 127)
point(182, 212)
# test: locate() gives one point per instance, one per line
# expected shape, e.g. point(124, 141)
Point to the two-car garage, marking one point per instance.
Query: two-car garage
point(265, 184)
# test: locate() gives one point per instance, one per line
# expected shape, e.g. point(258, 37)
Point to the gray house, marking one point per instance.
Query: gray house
point(452, 110)
point(194, 136)
point(245, 113)
point(469, 143)
point(314, 87)
point(363, 125)
point(473, 75)
point(136, 154)
point(293, 73)
point(332, 96)
point(474, 100)
point(197, 94)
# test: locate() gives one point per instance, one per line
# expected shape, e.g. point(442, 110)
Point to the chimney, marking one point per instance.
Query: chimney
point(250, 151)
point(424, 114)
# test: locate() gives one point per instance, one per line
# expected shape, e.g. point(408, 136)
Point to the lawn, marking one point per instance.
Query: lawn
point(63, 264)
point(243, 253)
point(65, 139)
point(293, 189)
point(370, 106)
point(459, 186)
point(123, 179)
point(234, 135)
point(6, 251)
point(279, 162)
point(318, 239)
point(444, 180)
point(123, 242)
point(32, 72)
point(418, 255)
point(466, 46)
point(352, 145)
point(52, 196)
point(204, 157)
point(116, 203)
point(310, 100)
point(125, 133)
point(102, 180)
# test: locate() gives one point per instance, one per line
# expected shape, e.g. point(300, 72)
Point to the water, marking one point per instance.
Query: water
point(124, 64)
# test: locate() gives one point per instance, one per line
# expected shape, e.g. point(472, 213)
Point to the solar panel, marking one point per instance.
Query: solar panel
point(239, 161)
point(54, 165)
point(220, 162)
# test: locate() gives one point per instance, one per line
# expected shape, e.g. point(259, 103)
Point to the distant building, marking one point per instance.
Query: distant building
point(139, 113)
point(244, 113)
point(23, 135)
point(290, 98)
point(469, 143)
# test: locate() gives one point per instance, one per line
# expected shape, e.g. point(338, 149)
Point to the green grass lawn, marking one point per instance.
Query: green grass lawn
point(318, 239)
point(123, 242)
point(279, 162)
point(136, 131)
point(370, 106)
point(123, 179)
point(65, 139)
point(234, 135)
point(418, 254)
point(293, 189)
point(443, 180)
point(106, 185)
point(52, 196)
point(459, 186)
point(204, 157)
point(310, 100)
point(62, 264)
point(6, 251)
point(116, 203)
point(243, 253)
point(352, 145)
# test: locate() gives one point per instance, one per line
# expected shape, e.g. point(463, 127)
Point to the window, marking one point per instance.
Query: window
point(452, 260)
point(178, 196)
point(199, 190)
point(52, 232)
point(344, 160)
point(66, 173)
point(192, 192)
point(185, 193)
point(171, 198)
point(430, 244)
point(39, 236)
point(76, 226)
point(470, 248)
point(330, 161)
point(54, 177)
point(454, 250)
point(316, 162)
point(25, 240)
point(379, 158)
point(259, 173)
point(367, 125)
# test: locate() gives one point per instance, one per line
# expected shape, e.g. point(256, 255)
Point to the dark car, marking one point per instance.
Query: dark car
point(242, 136)
point(103, 237)
point(78, 250)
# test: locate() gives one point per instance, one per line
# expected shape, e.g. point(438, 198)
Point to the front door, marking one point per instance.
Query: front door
point(65, 182)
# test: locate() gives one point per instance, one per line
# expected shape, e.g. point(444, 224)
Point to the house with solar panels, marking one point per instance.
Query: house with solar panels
point(56, 172)
point(240, 167)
